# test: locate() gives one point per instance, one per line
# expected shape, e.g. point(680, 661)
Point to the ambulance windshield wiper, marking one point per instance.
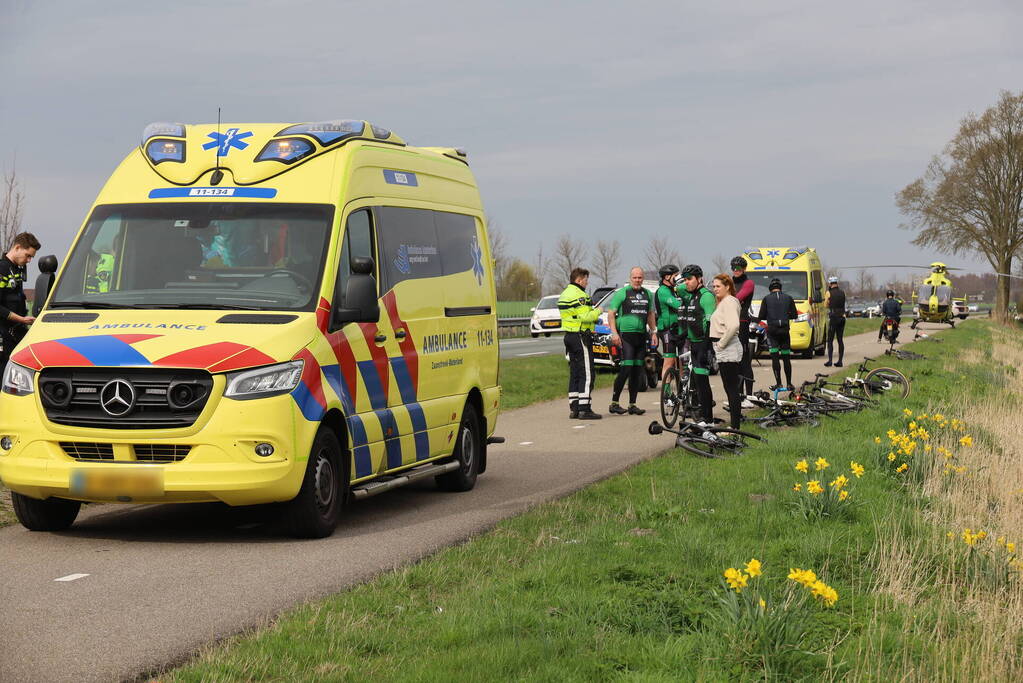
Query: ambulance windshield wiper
point(90, 304)
point(207, 307)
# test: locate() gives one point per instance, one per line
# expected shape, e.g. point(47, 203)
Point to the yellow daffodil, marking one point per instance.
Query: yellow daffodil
point(951, 534)
point(803, 466)
point(856, 469)
point(907, 412)
point(927, 448)
point(797, 487)
point(891, 457)
point(966, 440)
point(843, 494)
point(814, 487)
point(753, 568)
point(805, 577)
point(938, 417)
point(735, 579)
point(1011, 547)
point(922, 417)
point(912, 426)
point(821, 464)
point(839, 482)
point(826, 593)
point(902, 468)
point(763, 604)
point(1000, 540)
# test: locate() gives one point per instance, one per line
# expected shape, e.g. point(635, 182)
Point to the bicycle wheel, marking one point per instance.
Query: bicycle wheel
point(886, 380)
point(671, 398)
point(722, 443)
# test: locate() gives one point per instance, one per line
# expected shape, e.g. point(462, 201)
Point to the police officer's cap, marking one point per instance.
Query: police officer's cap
point(692, 270)
point(738, 263)
point(775, 284)
point(667, 269)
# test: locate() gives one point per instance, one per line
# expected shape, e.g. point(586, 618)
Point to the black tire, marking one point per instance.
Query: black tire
point(546, 334)
point(52, 514)
point(534, 335)
point(886, 381)
point(315, 511)
point(672, 390)
point(727, 442)
point(468, 448)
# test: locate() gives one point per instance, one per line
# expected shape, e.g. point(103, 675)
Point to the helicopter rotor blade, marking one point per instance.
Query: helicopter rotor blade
point(1018, 277)
point(881, 266)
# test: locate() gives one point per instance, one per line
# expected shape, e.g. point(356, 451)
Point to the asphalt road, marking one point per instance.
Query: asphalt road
point(132, 589)
point(525, 347)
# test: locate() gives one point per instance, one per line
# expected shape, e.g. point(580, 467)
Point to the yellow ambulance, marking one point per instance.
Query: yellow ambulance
point(257, 313)
point(800, 272)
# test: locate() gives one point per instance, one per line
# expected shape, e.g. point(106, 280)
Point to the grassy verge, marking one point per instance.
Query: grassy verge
point(541, 378)
point(619, 580)
point(6, 513)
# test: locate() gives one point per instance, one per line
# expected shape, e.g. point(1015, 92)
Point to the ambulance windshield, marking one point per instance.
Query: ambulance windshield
point(793, 283)
point(198, 255)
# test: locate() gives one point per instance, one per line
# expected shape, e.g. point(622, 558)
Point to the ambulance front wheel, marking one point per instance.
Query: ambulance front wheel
point(315, 511)
point(52, 514)
point(468, 447)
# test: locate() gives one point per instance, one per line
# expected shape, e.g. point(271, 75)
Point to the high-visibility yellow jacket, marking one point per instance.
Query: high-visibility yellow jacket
point(577, 311)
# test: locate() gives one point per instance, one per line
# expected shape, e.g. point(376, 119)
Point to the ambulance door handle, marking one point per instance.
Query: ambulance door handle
point(380, 338)
point(400, 334)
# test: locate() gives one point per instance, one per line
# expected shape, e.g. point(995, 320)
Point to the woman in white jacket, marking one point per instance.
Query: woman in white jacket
point(724, 333)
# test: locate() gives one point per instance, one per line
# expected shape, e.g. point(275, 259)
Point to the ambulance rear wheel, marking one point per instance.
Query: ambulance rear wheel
point(315, 511)
point(468, 446)
point(52, 514)
point(534, 334)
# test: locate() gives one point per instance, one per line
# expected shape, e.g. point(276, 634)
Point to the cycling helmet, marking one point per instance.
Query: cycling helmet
point(889, 293)
point(833, 279)
point(775, 284)
point(692, 270)
point(738, 263)
point(667, 269)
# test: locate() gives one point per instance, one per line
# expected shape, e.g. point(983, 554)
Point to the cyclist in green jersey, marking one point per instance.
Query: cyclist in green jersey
point(698, 304)
point(630, 315)
point(666, 306)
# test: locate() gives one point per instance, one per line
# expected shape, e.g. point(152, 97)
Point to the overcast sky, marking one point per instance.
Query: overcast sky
point(720, 125)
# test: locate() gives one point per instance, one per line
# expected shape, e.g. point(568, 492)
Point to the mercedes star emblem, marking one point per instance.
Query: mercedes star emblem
point(117, 397)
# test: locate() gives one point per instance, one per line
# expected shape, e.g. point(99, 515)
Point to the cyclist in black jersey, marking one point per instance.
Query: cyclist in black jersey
point(631, 319)
point(777, 309)
point(836, 320)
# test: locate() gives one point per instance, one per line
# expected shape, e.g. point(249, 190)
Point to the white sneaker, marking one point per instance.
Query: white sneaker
point(746, 403)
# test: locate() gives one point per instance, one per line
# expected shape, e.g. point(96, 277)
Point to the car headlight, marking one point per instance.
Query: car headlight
point(271, 380)
point(18, 380)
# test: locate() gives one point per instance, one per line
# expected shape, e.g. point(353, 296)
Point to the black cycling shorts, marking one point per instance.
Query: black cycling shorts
point(671, 343)
point(699, 354)
point(778, 339)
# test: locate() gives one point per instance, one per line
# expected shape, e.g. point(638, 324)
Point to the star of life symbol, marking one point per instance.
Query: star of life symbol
point(773, 252)
point(232, 138)
point(477, 260)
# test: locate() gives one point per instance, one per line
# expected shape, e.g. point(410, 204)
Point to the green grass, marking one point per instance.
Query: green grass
point(6, 513)
point(514, 309)
point(525, 381)
point(615, 581)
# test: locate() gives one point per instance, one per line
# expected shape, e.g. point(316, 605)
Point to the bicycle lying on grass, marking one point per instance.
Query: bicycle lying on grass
point(707, 441)
point(902, 354)
point(876, 382)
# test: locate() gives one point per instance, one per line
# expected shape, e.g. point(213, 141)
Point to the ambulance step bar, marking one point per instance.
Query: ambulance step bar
point(387, 483)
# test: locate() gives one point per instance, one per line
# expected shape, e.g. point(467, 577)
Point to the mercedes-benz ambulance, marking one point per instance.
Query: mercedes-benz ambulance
point(260, 313)
point(800, 272)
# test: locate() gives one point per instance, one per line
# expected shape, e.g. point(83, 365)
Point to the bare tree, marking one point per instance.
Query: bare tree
point(569, 253)
point(607, 260)
point(865, 283)
point(498, 250)
point(541, 268)
point(659, 251)
point(12, 207)
point(721, 263)
point(970, 199)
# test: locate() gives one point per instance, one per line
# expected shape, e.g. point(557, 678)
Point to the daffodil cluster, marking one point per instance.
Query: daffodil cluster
point(827, 595)
point(924, 436)
point(1000, 557)
point(818, 500)
point(737, 579)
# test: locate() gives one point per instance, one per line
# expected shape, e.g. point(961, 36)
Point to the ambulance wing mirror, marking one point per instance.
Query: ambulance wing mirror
point(44, 282)
point(360, 303)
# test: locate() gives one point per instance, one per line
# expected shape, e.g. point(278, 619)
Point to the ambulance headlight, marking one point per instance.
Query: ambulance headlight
point(271, 380)
point(327, 132)
point(165, 150)
point(287, 151)
point(18, 380)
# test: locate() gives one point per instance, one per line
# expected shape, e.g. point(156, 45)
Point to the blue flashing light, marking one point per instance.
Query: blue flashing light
point(176, 130)
point(327, 132)
point(286, 150)
point(159, 151)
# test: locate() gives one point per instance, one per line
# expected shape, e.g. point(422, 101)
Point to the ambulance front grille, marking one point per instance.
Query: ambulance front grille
point(158, 452)
point(71, 396)
point(81, 450)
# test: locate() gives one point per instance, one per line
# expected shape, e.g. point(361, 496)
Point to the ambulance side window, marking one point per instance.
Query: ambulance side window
point(358, 241)
point(408, 245)
point(103, 257)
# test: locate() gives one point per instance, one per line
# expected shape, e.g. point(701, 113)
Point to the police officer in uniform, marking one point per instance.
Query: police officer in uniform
point(14, 317)
point(578, 318)
point(836, 320)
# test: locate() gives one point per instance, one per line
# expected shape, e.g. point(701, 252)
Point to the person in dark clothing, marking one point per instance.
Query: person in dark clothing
point(744, 293)
point(890, 308)
point(776, 310)
point(633, 324)
point(14, 317)
point(836, 320)
point(698, 306)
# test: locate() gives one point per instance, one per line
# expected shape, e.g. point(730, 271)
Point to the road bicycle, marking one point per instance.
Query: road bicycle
point(782, 413)
point(903, 354)
point(707, 441)
point(876, 382)
point(678, 395)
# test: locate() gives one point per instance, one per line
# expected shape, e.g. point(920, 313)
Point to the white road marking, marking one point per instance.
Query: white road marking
point(535, 353)
point(579, 427)
point(72, 577)
point(520, 341)
point(525, 443)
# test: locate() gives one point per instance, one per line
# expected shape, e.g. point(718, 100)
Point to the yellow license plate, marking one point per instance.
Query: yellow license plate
point(117, 481)
point(599, 349)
